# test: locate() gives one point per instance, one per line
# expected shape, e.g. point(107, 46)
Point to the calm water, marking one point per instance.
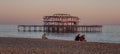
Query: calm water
point(110, 34)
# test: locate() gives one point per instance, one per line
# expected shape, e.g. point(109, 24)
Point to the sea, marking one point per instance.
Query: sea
point(109, 34)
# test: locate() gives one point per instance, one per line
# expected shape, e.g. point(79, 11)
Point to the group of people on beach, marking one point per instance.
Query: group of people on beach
point(77, 38)
point(80, 38)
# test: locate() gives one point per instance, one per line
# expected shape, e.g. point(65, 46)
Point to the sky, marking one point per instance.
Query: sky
point(33, 11)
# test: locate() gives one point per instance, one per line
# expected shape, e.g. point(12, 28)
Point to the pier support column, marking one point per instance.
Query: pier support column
point(29, 29)
point(24, 29)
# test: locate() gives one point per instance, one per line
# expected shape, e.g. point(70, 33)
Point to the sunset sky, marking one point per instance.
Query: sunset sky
point(32, 11)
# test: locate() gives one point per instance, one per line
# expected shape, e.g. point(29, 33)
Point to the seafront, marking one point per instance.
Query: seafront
point(39, 46)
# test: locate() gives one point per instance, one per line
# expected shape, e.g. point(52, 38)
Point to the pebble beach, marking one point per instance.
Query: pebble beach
point(38, 46)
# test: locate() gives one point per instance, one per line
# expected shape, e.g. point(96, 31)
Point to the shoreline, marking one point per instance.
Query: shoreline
point(60, 40)
point(52, 46)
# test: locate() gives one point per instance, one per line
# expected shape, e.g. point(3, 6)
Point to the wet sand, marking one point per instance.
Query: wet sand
point(39, 46)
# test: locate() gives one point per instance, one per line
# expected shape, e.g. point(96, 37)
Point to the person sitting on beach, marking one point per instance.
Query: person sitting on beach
point(82, 38)
point(44, 36)
point(77, 38)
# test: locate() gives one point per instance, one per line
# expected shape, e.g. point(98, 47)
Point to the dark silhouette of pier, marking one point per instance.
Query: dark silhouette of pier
point(60, 23)
point(30, 28)
point(39, 28)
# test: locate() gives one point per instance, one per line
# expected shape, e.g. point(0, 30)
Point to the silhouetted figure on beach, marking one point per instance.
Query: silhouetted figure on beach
point(44, 36)
point(82, 38)
point(77, 38)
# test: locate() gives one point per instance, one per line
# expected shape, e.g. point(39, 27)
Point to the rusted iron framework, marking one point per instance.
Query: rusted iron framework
point(61, 23)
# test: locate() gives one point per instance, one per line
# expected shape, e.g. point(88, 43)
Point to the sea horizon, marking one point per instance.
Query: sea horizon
point(109, 34)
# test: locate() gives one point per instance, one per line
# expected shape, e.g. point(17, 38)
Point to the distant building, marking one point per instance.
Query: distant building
point(60, 23)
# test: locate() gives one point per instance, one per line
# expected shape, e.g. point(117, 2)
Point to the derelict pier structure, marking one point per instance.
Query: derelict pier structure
point(60, 23)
